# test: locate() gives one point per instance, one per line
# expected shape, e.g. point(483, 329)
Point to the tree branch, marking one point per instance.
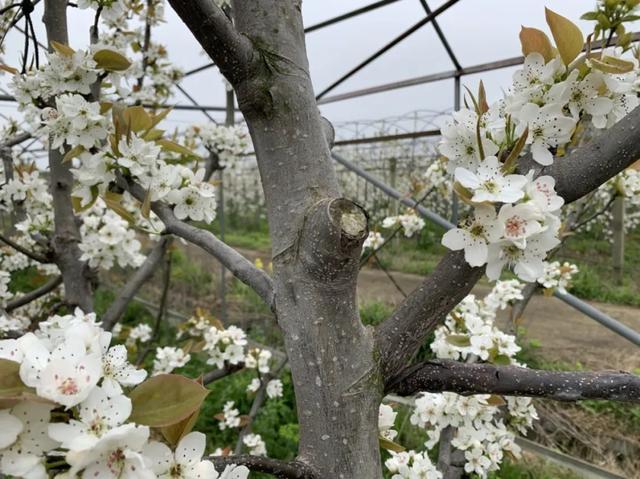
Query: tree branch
point(592, 164)
point(24, 251)
point(275, 467)
point(258, 401)
point(465, 378)
point(231, 51)
point(33, 295)
point(117, 308)
point(576, 175)
point(226, 370)
point(16, 140)
point(239, 266)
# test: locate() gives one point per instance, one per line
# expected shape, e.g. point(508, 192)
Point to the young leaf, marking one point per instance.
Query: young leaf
point(137, 118)
point(460, 340)
point(177, 431)
point(105, 106)
point(536, 41)
point(512, 160)
point(174, 147)
point(390, 445)
point(495, 400)
point(12, 389)
point(165, 400)
point(482, 99)
point(72, 153)
point(613, 65)
point(62, 49)
point(145, 210)
point(502, 360)
point(111, 61)
point(566, 34)
point(114, 201)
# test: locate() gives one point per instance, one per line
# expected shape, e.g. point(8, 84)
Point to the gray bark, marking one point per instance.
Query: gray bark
point(480, 378)
point(33, 295)
point(76, 274)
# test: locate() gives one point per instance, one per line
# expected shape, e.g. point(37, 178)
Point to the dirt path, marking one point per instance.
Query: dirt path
point(564, 333)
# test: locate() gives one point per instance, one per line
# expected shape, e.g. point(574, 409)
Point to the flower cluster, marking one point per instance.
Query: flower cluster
point(169, 358)
point(107, 239)
point(228, 143)
point(410, 223)
point(515, 219)
point(225, 345)
point(483, 424)
point(557, 276)
point(411, 465)
point(255, 444)
point(77, 377)
point(374, 241)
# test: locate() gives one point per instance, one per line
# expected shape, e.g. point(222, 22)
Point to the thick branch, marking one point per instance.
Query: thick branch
point(592, 164)
point(131, 288)
point(231, 51)
point(275, 467)
point(33, 295)
point(464, 378)
point(576, 175)
point(239, 266)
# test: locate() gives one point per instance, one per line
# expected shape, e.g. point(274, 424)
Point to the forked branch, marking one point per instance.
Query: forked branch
point(576, 175)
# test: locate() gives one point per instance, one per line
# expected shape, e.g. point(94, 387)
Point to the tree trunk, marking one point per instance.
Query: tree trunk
point(317, 239)
point(66, 237)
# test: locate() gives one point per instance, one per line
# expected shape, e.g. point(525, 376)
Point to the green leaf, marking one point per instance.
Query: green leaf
point(566, 34)
point(174, 147)
point(502, 360)
point(165, 400)
point(390, 445)
point(111, 61)
point(589, 16)
point(460, 340)
point(534, 40)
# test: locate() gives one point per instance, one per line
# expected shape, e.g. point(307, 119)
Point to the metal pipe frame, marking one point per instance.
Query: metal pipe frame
point(446, 75)
point(441, 9)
